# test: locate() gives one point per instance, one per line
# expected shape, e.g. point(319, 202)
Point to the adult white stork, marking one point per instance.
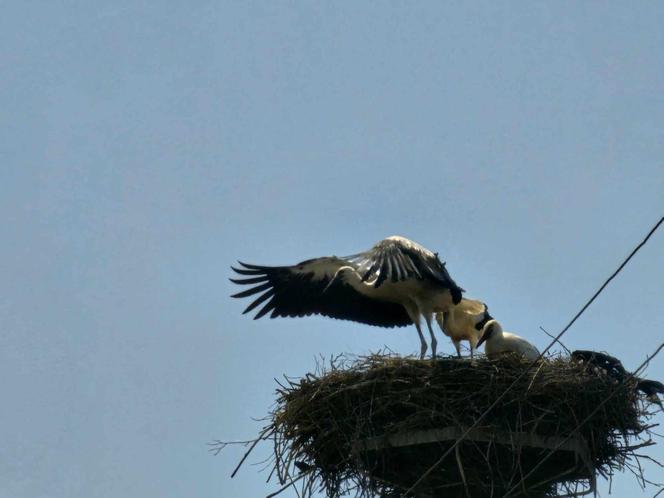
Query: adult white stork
point(390, 285)
point(464, 322)
point(499, 342)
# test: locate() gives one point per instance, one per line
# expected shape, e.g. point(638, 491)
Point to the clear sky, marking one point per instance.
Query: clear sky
point(145, 146)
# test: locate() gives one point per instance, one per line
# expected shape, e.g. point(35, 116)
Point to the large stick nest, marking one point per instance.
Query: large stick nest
point(378, 426)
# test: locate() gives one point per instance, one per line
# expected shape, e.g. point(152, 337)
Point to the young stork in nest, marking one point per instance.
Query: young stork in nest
point(613, 367)
point(464, 322)
point(499, 342)
point(390, 285)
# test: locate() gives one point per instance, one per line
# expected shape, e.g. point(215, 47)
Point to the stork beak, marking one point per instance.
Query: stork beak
point(481, 341)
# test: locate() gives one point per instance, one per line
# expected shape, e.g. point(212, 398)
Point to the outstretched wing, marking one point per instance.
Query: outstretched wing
point(310, 288)
point(397, 258)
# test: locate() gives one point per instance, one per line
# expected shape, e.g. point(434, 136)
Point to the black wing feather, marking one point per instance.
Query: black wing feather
point(399, 259)
point(268, 307)
point(258, 301)
point(245, 272)
point(295, 292)
point(247, 281)
point(412, 270)
point(253, 290)
point(433, 269)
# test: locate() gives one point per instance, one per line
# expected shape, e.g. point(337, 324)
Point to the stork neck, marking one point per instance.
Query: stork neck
point(349, 276)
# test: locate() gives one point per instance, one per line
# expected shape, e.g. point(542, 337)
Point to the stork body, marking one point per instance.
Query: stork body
point(392, 284)
point(613, 367)
point(609, 364)
point(464, 322)
point(499, 342)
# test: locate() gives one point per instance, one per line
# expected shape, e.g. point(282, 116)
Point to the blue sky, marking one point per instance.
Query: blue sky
point(146, 146)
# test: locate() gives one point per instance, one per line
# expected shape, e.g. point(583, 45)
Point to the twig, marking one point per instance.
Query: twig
point(217, 445)
point(263, 435)
point(288, 485)
point(461, 472)
point(656, 462)
point(535, 376)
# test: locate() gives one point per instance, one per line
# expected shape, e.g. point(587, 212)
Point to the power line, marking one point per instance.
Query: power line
point(556, 339)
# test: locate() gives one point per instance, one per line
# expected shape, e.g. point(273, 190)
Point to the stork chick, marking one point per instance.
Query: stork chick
point(464, 322)
point(499, 342)
point(613, 367)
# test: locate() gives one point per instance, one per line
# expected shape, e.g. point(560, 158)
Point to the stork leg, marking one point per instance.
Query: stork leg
point(434, 342)
point(423, 342)
point(457, 345)
point(414, 313)
point(473, 346)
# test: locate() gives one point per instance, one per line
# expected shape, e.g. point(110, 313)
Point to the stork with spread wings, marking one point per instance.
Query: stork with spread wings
point(392, 284)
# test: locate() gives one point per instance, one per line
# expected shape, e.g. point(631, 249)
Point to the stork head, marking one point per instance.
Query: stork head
point(484, 319)
point(491, 329)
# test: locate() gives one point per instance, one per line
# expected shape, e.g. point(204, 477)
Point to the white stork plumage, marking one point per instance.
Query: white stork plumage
point(464, 322)
point(499, 342)
point(390, 285)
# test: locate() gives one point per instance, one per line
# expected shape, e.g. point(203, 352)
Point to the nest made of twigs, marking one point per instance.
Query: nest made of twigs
point(375, 426)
